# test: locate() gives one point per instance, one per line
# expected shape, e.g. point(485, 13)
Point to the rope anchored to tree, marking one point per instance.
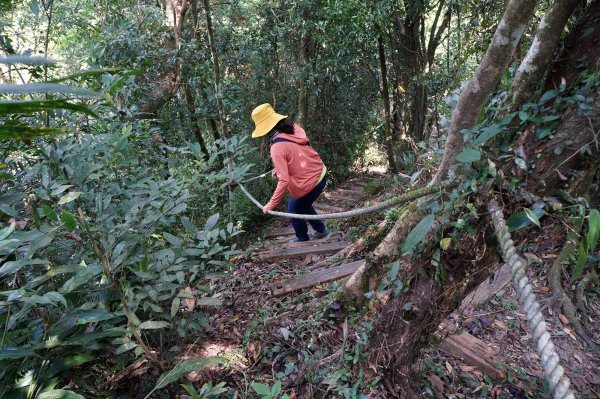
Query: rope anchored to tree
point(553, 371)
point(395, 201)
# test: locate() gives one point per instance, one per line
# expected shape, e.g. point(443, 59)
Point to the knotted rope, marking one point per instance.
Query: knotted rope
point(395, 201)
point(553, 371)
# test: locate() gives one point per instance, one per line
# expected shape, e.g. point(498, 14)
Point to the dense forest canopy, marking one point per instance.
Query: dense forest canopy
point(127, 249)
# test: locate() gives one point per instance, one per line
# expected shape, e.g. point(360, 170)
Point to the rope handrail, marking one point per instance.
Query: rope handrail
point(395, 201)
point(553, 371)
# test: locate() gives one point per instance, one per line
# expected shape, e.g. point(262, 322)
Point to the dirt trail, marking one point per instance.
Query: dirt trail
point(279, 322)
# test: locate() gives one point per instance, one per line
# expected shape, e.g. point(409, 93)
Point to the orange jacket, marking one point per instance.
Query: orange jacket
point(297, 166)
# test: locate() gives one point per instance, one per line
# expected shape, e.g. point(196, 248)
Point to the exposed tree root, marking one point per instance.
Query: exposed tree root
point(560, 297)
point(590, 279)
point(370, 273)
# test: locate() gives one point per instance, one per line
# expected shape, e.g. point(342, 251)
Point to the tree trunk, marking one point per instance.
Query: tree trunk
point(190, 103)
point(402, 331)
point(494, 63)
point(389, 145)
point(302, 92)
point(540, 54)
point(169, 79)
point(217, 73)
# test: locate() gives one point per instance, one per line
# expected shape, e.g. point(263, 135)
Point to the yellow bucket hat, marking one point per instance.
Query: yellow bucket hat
point(265, 118)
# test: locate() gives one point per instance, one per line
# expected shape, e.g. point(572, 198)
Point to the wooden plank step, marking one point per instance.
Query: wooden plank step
point(308, 249)
point(328, 208)
point(350, 192)
point(339, 197)
point(474, 352)
point(501, 278)
point(315, 277)
point(313, 243)
point(280, 231)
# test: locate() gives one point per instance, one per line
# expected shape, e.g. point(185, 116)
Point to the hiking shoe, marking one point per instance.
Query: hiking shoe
point(297, 240)
point(321, 234)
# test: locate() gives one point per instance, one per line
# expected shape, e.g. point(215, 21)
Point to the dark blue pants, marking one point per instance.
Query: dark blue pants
point(303, 206)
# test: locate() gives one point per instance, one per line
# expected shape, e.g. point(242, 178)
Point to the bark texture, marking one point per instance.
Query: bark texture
point(389, 145)
point(494, 63)
point(541, 53)
point(402, 331)
point(169, 78)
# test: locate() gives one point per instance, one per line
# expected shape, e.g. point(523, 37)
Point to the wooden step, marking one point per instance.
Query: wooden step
point(280, 231)
point(350, 192)
point(320, 249)
point(327, 208)
point(340, 197)
point(474, 352)
point(301, 244)
point(315, 277)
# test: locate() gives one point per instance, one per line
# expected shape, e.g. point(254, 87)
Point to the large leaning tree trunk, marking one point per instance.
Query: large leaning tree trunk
point(541, 53)
point(486, 77)
point(401, 331)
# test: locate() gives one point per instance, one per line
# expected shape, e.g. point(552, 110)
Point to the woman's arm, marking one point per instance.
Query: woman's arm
point(281, 170)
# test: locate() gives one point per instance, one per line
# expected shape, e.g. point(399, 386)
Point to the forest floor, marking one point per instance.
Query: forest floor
point(316, 349)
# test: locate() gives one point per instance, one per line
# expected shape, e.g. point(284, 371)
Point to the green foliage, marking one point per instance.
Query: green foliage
point(269, 393)
point(418, 233)
point(587, 243)
point(185, 367)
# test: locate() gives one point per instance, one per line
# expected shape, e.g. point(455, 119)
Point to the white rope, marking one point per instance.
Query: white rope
point(395, 201)
point(553, 371)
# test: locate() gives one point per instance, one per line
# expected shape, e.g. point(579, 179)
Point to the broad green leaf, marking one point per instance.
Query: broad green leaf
point(5, 232)
point(394, 270)
point(523, 116)
point(186, 367)
point(73, 195)
point(531, 216)
point(581, 259)
point(261, 389)
point(32, 106)
point(14, 266)
point(468, 155)
point(211, 222)
point(153, 325)
point(59, 394)
point(68, 220)
point(178, 209)
point(34, 6)
point(520, 219)
point(175, 306)
point(60, 189)
point(15, 353)
point(56, 297)
point(487, 133)
point(276, 390)
point(593, 229)
point(173, 240)
point(7, 210)
point(45, 210)
point(418, 233)
point(32, 88)
point(549, 95)
point(68, 362)
point(10, 132)
point(92, 316)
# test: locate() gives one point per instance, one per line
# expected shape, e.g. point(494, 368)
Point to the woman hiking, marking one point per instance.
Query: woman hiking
point(298, 168)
